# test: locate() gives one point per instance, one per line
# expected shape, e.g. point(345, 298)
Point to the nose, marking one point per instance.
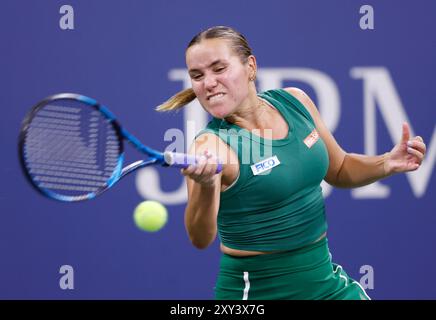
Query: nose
point(210, 82)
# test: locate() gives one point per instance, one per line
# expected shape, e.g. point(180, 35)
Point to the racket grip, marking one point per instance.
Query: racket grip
point(183, 160)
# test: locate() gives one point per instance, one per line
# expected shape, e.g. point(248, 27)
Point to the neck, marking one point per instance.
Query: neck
point(253, 114)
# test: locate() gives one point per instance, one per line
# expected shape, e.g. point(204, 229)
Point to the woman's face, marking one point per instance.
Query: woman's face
point(219, 79)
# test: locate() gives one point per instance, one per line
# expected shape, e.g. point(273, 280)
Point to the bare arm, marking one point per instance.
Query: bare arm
point(351, 170)
point(203, 194)
point(201, 213)
point(359, 170)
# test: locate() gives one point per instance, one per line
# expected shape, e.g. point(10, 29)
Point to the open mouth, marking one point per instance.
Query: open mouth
point(215, 97)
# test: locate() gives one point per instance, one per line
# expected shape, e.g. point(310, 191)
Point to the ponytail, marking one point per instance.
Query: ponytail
point(177, 101)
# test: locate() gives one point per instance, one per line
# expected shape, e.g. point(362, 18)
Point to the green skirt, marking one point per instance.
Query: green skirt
point(302, 274)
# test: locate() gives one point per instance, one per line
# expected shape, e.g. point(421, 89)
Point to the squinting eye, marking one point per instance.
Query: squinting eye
point(220, 69)
point(196, 77)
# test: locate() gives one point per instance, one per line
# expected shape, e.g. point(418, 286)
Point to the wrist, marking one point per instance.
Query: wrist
point(386, 167)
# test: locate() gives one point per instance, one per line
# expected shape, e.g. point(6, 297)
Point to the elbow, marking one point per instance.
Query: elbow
point(201, 232)
point(202, 240)
point(339, 177)
point(336, 182)
point(201, 244)
point(338, 185)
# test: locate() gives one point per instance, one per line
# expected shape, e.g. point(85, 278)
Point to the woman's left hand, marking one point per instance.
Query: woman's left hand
point(407, 155)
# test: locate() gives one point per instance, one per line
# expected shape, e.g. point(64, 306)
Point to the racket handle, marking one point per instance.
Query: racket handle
point(183, 160)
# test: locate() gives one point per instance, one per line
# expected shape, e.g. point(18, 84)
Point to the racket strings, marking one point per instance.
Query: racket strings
point(47, 145)
point(71, 149)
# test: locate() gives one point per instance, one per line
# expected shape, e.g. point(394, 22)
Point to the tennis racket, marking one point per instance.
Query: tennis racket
point(71, 148)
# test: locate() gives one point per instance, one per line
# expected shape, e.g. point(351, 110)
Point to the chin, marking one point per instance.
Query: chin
point(220, 115)
point(219, 112)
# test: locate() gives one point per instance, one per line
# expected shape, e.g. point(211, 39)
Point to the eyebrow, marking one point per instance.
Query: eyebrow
point(210, 66)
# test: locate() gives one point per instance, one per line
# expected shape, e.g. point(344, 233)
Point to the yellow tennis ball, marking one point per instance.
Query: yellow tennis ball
point(150, 216)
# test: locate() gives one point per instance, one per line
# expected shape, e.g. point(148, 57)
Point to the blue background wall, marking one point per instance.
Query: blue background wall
point(121, 53)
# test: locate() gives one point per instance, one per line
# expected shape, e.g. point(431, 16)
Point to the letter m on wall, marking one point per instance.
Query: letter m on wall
point(379, 90)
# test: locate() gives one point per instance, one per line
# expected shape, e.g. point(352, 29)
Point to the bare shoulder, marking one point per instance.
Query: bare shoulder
point(210, 142)
point(305, 100)
point(336, 153)
point(294, 90)
point(297, 92)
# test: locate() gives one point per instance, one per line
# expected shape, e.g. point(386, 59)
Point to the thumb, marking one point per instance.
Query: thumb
point(406, 133)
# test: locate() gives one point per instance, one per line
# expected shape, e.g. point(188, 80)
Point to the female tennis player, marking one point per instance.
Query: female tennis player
point(267, 206)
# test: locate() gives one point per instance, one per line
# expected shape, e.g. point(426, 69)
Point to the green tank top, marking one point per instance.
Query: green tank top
point(276, 203)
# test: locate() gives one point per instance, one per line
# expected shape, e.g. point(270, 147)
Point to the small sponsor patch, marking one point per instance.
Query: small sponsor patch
point(311, 138)
point(265, 165)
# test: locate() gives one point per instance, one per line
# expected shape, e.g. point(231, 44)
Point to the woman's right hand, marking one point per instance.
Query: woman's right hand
point(204, 172)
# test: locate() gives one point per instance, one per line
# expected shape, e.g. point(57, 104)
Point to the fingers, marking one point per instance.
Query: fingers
point(418, 145)
point(417, 153)
point(406, 132)
point(195, 169)
point(204, 170)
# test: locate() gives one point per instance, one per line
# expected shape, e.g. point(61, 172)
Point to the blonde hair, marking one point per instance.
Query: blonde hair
point(177, 101)
point(238, 43)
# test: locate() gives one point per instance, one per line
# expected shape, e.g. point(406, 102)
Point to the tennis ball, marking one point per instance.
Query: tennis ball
point(150, 216)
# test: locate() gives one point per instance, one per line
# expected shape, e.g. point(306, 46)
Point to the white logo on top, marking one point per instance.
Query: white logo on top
point(265, 165)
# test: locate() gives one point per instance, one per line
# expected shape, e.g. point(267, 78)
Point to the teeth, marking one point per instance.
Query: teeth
point(216, 96)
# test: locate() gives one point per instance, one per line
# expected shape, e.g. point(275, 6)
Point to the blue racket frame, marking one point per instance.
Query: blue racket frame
point(155, 157)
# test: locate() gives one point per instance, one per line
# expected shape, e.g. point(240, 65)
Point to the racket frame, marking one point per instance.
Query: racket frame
point(119, 172)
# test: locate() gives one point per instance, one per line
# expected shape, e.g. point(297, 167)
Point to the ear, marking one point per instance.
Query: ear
point(252, 67)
